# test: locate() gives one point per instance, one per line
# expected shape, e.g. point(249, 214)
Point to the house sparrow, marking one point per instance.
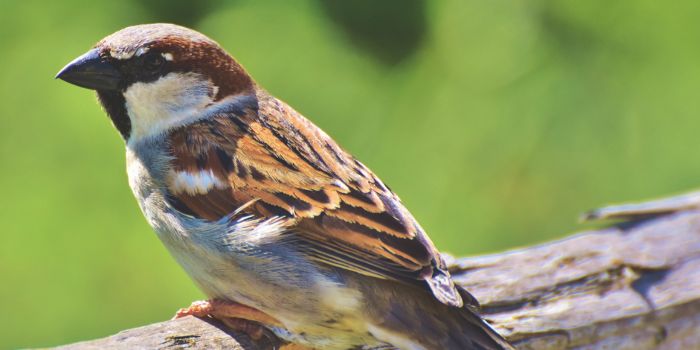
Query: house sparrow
point(276, 223)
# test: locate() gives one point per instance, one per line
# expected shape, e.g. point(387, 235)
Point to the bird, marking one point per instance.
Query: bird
point(283, 230)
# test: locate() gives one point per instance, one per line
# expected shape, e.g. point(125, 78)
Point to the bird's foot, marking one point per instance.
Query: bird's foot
point(199, 308)
point(222, 309)
point(239, 318)
point(235, 316)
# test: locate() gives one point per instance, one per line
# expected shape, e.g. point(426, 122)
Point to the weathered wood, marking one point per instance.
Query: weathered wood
point(188, 332)
point(635, 285)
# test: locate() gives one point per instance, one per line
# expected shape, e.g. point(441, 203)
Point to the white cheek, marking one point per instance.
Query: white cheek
point(173, 100)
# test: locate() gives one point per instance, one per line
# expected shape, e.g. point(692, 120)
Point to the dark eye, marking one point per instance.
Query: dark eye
point(153, 62)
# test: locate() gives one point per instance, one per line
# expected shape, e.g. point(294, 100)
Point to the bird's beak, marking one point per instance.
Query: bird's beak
point(92, 72)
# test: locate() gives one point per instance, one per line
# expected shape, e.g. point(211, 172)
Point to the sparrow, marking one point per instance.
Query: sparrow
point(280, 227)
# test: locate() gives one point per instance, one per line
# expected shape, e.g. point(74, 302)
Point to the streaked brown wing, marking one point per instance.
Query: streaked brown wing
point(343, 215)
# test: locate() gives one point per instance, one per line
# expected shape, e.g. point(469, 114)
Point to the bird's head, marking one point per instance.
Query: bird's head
point(153, 77)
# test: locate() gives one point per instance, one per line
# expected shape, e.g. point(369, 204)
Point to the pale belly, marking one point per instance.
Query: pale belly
point(315, 309)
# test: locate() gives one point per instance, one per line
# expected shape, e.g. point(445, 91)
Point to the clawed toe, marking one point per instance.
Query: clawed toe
point(199, 308)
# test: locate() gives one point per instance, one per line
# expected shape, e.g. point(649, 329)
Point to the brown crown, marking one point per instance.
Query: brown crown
point(191, 52)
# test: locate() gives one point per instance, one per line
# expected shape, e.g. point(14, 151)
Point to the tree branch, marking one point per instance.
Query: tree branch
point(635, 285)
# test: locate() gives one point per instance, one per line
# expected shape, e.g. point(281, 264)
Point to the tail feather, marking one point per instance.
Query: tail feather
point(470, 312)
point(405, 315)
point(488, 338)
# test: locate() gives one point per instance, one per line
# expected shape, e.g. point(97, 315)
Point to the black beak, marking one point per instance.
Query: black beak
point(92, 72)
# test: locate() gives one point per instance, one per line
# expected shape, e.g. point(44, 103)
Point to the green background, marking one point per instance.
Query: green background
point(497, 122)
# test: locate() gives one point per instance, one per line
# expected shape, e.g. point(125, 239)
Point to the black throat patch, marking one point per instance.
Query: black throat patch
point(114, 104)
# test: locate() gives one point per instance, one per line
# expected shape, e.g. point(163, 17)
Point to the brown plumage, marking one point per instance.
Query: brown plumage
point(208, 147)
point(273, 155)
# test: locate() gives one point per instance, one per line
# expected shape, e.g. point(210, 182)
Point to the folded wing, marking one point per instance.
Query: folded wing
point(272, 158)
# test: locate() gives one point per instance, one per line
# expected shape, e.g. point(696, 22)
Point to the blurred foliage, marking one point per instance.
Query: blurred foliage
point(183, 12)
point(390, 30)
point(502, 122)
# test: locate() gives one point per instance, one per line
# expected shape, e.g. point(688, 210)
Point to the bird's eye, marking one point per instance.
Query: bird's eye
point(153, 62)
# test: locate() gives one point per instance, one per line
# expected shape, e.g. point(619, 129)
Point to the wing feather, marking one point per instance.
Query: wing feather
point(340, 213)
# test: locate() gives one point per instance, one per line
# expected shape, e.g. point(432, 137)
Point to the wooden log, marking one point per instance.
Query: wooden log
point(634, 285)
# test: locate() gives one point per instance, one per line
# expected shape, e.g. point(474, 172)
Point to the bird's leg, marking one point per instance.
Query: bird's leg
point(236, 316)
point(221, 309)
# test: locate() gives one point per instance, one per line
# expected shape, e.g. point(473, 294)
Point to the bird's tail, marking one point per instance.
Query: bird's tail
point(489, 338)
point(423, 322)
